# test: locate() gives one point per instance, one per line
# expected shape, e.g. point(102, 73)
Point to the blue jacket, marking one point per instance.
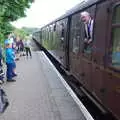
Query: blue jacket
point(10, 55)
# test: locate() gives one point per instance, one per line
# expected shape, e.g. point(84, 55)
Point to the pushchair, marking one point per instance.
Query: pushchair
point(3, 100)
point(3, 97)
point(1, 75)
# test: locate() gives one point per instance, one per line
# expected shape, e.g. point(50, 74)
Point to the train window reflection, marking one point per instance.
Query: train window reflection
point(116, 16)
point(116, 47)
point(54, 28)
point(75, 45)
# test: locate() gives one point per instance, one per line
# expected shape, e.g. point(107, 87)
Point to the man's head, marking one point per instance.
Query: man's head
point(85, 17)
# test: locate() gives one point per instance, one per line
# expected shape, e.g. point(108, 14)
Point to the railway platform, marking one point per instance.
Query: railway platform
point(40, 93)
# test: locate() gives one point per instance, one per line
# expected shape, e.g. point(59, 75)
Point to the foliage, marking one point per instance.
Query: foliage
point(11, 10)
point(30, 30)
point(21, 33)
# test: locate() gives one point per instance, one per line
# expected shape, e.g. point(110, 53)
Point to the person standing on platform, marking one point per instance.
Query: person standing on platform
point(21, 47)
point(13, 48)
point(27, 48)
point(10, 61)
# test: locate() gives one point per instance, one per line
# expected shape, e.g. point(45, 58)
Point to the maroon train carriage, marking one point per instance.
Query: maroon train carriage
point(98, 69)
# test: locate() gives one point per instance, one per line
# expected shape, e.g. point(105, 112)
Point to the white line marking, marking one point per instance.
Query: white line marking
point(76, 99)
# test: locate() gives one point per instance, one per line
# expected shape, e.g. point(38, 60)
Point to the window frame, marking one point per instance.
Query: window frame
point(113, 26)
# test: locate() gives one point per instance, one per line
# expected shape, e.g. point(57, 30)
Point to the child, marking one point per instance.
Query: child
point(13, 48)
point(10, 61)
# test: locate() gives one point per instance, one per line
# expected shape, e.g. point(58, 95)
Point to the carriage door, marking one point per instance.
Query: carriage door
point(63, 42)
point(98, 51)
point(75, 37)
point(112, 73)
point(86, 58)
point(65, 46)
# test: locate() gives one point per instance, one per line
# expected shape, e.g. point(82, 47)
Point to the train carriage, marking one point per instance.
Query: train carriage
point(98, 68)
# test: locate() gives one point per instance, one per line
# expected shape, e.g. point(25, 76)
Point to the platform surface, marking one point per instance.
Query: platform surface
point(38, 93)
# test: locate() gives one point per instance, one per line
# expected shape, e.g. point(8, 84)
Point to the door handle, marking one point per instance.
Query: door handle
point(110, 74)
point(89, 62)
point(97, 68)
point(82, 74)
point(95, 60)
point(102, 90)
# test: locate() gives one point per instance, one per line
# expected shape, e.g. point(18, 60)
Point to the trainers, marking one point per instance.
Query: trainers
point(11, 80)
point(14, 75)
point(17, 59)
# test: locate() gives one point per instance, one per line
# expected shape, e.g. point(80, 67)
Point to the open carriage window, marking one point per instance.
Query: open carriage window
point(88, 31)
point(75, 34)
point(116, 37)
point(62, 31)
point(116, 15)
point(54, 27)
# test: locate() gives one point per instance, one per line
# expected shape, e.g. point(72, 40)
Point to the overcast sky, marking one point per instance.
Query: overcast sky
point(44, 11)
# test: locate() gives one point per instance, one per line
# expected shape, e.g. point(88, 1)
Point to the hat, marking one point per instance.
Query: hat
point(8, 41)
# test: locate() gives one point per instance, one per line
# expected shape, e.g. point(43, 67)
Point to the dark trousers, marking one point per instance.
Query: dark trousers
point(28, 51)
point(13, 67)
point(9, 71)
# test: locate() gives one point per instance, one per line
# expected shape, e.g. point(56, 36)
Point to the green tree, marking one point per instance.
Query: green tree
point(21, 33)
point(30, 30)
point(11, 10)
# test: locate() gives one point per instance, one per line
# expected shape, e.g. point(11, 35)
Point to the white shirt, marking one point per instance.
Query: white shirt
point(27, 43)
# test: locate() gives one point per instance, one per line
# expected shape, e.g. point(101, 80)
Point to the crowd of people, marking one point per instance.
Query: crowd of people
point(14, 49)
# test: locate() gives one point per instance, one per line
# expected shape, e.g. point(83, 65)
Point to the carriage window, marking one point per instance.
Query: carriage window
point(87, 20)
point(116, 38)
point(62, 34)
point(116, 17)
point(54, 28)
point(62, 30)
